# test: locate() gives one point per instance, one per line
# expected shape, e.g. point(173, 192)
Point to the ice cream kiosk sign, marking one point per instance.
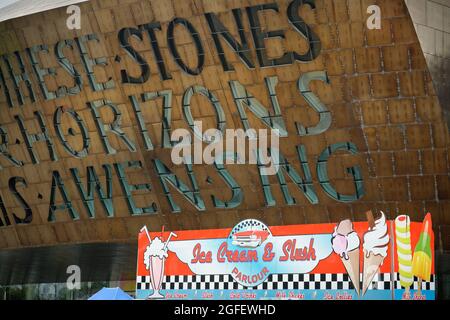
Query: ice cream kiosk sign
point(378, 259)
point(251, 253)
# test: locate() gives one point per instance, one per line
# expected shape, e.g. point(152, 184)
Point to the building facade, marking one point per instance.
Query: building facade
point(87, 117)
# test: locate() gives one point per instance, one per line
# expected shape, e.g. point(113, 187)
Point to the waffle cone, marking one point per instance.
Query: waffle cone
point(352, 267)
point(371, 266)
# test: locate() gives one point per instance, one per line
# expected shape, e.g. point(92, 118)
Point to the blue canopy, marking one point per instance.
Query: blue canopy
point(111, 294)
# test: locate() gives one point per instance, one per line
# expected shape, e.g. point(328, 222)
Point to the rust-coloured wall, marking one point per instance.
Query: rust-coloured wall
point(381, 98)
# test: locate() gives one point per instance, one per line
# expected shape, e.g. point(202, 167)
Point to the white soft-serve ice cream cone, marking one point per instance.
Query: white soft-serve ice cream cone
point(375, 246)
point(345, 243)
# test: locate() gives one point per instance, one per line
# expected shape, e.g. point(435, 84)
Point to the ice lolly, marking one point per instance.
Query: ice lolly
point(404, 255)
point(421, 265)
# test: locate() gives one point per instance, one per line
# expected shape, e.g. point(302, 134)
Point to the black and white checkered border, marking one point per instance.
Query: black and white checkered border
point(339, 281)
point(426, 285)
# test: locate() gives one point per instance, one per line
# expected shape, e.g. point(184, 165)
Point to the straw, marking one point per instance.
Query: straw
point(144, 228)
point(168, 239)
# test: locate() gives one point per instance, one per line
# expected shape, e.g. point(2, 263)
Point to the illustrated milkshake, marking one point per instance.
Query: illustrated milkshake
point(154, 257)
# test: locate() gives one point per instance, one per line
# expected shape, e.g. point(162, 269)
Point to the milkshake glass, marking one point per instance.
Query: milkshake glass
point(154, 258)
point(156, 276)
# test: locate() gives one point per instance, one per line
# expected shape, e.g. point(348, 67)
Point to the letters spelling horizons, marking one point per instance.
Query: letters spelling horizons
point(20, 80)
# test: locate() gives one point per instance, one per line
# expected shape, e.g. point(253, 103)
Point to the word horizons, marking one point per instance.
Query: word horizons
point(244, 101)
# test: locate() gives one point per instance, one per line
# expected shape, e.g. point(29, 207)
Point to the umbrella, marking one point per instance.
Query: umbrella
point(111, 294)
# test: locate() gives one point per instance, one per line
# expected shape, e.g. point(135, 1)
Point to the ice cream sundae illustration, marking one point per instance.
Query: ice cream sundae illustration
point(404, 255)
point(375, 245)
point(345, 242)
point(154, 259)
